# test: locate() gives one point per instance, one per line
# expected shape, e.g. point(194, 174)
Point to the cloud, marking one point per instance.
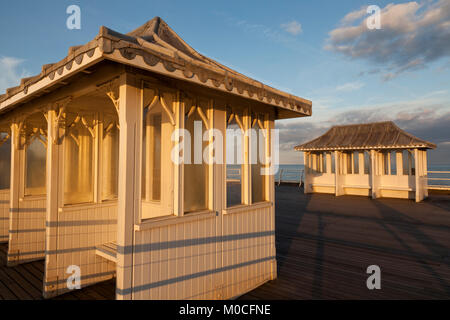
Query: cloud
point(9, 74)
point(350, 86)
point(412, 35)
point(292, 27)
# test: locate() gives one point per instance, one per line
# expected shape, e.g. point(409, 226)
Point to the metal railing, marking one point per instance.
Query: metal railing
point(439, 186)
point(290, 176)
point(284, 176)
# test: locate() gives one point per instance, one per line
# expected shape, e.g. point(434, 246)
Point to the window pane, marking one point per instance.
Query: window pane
point(196, 175)
point(234, 156)
point(5, 161)
point(35, 167)
point(110, 159)
point(258, 153)
point(78, 163)
point(151, 186)
point(356, 162)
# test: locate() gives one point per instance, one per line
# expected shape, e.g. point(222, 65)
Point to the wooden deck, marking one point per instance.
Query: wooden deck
point(24, 282)
point(324, 245)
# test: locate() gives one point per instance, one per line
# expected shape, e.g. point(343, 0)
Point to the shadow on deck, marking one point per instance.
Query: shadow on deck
point(24, 282)
point(324, 246)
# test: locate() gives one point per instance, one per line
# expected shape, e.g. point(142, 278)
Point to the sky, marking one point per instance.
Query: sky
point(323, 51)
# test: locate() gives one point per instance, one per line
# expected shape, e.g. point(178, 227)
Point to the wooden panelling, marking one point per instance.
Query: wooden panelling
point(79, 230)
point(194, 260)
point(27, 234)
point(4, 215)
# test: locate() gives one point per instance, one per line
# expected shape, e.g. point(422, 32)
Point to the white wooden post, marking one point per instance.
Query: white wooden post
point(14, 189)
point(337, 167)
point(417, 175)
point(246, 174)
point(361, 164)
point(373, 173)
point(179, 168)
point(425, 173)
point(399, 162)
point(51, 219)
point(129, 180)
point(328, 162)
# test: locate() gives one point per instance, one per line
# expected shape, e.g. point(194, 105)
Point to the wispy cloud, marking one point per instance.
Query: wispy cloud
point(293, 27)
point(350, 86)
point(412, 35)
point(10, 74)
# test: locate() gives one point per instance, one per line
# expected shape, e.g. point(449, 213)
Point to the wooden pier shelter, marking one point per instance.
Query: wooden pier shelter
point(373, 159)
point(93, 183)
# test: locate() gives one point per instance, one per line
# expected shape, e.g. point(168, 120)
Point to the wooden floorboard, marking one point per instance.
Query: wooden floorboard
point(24, 282)
point(324, 246)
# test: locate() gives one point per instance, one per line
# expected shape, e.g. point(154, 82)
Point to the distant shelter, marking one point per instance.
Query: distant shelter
point(373, 159)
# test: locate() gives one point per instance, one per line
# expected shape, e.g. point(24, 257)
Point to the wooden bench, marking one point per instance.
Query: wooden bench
point(321, 185)
point(107, 251)
point(395, 188)
point(357, 186)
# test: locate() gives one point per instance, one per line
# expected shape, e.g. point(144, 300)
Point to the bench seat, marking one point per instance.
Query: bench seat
point(107, 251)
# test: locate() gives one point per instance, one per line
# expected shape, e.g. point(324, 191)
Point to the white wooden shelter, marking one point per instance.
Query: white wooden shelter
point(373, 159)
point(92, 183)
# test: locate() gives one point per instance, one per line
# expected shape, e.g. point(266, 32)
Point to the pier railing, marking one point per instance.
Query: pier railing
point(445, 182)
point(290, 176)
point(284, 175)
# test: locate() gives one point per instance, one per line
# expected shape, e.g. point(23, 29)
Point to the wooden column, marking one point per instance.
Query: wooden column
point(14, 189)
point(425, 173)
point(399, 162)
point(306, 172)
point(328, 162)
point(361, 163)
point(179, 167)
point(52, 205)
point(417, 166)
point(246, 174)
point(129, 198)
point(373, 173)
point(337, 167)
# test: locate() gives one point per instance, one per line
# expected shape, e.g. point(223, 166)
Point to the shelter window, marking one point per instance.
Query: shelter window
point(366, 162)
point(333, 164)
point(35, 156)
point(5, 160)
point(196, 170)
point(79, 159)
point(110, 157)
point(234, 158)
point(393, 156)
point(157, 165)
point(355, 156)
point(258, 160)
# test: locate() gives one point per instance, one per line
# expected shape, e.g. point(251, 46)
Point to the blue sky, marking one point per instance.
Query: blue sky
point(318, 50)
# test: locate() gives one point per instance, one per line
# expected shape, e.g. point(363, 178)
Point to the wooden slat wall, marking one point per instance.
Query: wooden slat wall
point(79, 230)
point(27, 235)
point(255, 228)
point(180, 261)
point(4, 215)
